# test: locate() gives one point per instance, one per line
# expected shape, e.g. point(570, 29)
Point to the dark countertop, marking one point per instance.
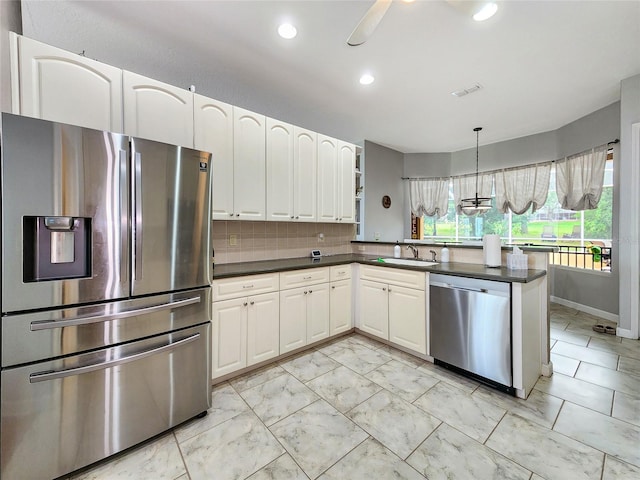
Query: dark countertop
point(459, 269)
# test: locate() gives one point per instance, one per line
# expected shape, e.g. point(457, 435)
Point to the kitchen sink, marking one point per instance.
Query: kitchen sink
point(407, 261)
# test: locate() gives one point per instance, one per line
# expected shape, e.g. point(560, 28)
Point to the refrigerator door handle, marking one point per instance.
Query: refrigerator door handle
point(123, 213)
point(46, 376)
point(74, 322)
point(137, 253)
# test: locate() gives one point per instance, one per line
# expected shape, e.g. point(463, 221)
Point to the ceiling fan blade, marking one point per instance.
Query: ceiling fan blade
point(369, 23)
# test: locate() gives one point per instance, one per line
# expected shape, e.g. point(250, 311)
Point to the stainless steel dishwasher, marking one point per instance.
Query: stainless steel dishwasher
point(470, 327)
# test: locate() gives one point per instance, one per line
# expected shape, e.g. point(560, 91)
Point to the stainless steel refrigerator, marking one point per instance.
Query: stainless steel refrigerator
point(105, 293)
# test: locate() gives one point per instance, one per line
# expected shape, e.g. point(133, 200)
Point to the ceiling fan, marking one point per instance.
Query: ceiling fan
point(479, 9)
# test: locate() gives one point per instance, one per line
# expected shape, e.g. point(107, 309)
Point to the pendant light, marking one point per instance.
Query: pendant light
point(476, 203)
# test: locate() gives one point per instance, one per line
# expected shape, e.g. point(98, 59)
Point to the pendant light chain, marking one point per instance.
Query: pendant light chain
point(477, 203)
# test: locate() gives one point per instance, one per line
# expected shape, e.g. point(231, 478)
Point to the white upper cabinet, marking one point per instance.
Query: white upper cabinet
point(336, 180)
point(53, 84)
point(327, 178)
point(157, 111)
point(213, 132)
point(291, 172)
point(249, 166)
point(346, 195)
point(305, 169)
point(280, 171)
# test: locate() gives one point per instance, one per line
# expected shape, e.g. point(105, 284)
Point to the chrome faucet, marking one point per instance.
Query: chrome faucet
point(414, 249)
point(433, 255)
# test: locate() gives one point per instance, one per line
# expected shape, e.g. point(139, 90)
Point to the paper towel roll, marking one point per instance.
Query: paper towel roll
point(492, 250)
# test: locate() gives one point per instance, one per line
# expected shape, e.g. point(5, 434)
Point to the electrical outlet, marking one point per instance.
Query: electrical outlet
point(376, 236)
point(233, 240)
point(321, 237)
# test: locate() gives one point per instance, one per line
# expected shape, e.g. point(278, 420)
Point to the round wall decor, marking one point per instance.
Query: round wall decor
point(386, 201)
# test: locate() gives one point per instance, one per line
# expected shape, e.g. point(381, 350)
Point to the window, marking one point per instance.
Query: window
point(550, 225)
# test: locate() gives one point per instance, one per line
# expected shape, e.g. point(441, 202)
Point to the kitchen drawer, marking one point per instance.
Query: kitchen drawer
point(394, 276)
point(340, 272)
point(298, 278)
point(242, 286)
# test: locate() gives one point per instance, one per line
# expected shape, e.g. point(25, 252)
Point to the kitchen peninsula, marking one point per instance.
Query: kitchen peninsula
point(244, 343)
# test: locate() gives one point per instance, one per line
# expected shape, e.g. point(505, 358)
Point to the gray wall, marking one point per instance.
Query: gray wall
point(384, 168)
point(10, 21)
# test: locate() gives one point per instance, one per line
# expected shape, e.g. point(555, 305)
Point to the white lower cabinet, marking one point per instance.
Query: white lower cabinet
point(340, 319)
point(304, 310)
point(245, 328)
point(393, 311)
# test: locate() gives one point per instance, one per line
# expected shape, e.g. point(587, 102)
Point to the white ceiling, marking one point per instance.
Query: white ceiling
point(542, 64)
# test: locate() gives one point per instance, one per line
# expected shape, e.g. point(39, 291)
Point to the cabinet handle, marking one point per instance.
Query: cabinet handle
point(333, 287)
point(231, 214)
point(247, 286)
point(237, 214)
point(384, 289)
point(252, 302)
point(389, 289)
point(245, 304)
point(306, 292)
point(310, 291)
point(297, 217)
point(291, 216)
point(306, 278)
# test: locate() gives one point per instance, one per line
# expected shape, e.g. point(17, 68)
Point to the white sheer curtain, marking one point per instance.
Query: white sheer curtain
point(579, 179)
point(465, 187)
point(429, 197)
point(521, 188)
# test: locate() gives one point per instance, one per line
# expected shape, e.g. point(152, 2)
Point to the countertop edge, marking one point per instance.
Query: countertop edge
point(469, 270)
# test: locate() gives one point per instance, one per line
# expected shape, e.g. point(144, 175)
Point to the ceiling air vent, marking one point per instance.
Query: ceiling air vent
point(466, 91)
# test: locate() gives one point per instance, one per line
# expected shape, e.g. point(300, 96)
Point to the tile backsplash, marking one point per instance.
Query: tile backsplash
point(272, 240)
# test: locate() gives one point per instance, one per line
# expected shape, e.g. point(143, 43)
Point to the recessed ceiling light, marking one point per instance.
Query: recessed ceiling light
point(487, 10)
point(288, 31)
point(366, 79)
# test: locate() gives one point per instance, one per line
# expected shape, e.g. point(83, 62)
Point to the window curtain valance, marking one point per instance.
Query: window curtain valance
point(580, 178)
point(429, 197)
point(520, 188)
point(465, 187)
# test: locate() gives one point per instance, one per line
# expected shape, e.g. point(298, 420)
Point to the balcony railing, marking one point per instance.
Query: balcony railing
point(589, 257)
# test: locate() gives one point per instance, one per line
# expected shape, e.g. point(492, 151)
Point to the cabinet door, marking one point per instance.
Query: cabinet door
point(280, 183)
point(263, 328)
point(318, 312)
point(407, 318)
point(305, 183)
point(157, 111)
point(229, 336)
point(249, 165)
point(327, 179)
point(213, 132)
point(64, 87)
point(374, 308)
point(293, 319)
point(340, 307)
point(347, 182)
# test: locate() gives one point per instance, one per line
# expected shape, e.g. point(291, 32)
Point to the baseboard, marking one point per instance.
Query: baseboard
point(584, 308)
point(626, 333)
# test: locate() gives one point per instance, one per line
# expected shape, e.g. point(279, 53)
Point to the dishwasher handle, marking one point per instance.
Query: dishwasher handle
point(457, 287)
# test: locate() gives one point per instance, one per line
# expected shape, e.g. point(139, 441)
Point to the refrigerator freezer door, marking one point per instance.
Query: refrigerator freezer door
point(170, 217)
point(65, 197)
point(61, 415)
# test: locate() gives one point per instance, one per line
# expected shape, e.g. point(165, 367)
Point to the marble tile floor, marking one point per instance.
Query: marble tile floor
point(358, 409)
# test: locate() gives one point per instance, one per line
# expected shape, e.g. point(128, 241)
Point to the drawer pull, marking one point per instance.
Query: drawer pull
point(307, 278)
point(247, 286)
point(252, 302)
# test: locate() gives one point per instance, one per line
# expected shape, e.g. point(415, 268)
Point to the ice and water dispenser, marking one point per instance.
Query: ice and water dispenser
point(56, 248)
